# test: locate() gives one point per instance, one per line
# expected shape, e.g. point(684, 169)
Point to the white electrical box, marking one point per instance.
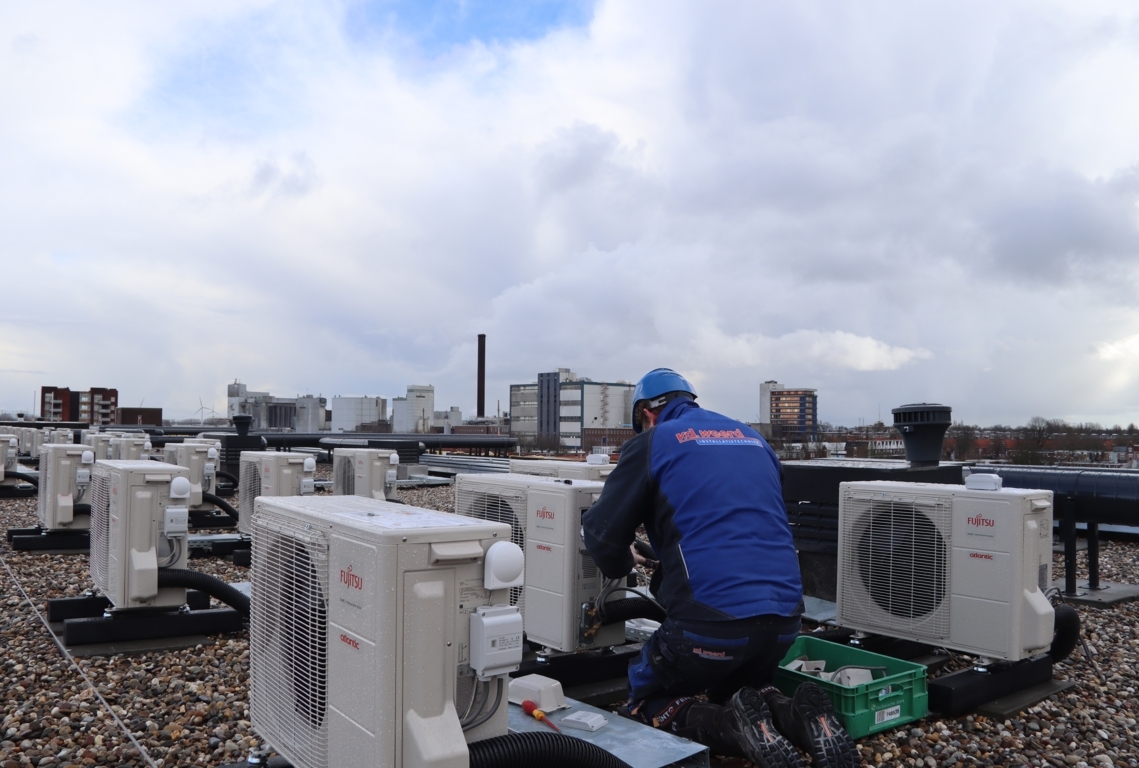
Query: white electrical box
point(947, 565)
point(496, 640)
point(360, 635)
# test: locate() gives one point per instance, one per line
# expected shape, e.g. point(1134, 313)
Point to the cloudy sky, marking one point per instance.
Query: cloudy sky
point(891, 202)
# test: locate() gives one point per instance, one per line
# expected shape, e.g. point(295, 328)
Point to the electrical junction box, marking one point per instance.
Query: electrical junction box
point(496, 640)
point(177, 521)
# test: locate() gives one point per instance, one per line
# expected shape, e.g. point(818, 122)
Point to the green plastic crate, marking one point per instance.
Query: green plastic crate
point(887, 702)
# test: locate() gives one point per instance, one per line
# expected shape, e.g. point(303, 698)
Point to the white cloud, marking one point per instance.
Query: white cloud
point(888, 203)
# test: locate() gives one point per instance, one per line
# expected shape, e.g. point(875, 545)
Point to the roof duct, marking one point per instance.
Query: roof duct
point(923, 427)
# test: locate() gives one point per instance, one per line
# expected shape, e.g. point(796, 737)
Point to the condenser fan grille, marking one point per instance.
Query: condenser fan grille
point(345, 478)
point(250, 482)
point(100, 492)
point(288, 640)
point(895, 564)
point(501, 506)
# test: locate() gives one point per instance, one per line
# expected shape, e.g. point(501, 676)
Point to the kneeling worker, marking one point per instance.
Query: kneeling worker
point(708, 490)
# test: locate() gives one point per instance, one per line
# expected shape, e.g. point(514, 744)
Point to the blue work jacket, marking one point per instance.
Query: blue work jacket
point(708, 490)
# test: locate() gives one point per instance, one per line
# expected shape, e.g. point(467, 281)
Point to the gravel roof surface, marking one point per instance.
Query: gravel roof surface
point(190, 707)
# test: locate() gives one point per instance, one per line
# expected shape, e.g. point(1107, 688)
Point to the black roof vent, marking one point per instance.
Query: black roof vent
point(923, 427)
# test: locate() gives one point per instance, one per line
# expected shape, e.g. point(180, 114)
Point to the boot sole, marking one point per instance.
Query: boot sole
point(764, 745)
point(829, 743)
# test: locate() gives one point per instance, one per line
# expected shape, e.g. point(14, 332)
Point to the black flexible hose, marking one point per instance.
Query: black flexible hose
point(203, 582)
point(1067, 633)
point(645, 550)
point(548, 749)
point(81, 509)
point(631, 608)
point(227, 476)
point(221, 504)
point(22, 476)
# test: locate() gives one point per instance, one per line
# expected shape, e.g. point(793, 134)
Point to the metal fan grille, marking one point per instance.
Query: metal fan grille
point(100, 491)
point(250, 488)
point(288, 647)
point(344, 480)
point(503, 505)
point(895, 563)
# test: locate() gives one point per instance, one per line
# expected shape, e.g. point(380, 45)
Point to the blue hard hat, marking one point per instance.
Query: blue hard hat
point(657, 382)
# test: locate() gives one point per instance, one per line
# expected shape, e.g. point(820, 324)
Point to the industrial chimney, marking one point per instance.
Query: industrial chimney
point(923, 427)
point(482, 376)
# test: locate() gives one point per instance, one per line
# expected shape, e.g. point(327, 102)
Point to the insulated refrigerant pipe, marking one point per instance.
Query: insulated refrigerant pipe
point(203, 582)
point(221, 504)
point(631, 608)
point(550, 750)
point(25, 477)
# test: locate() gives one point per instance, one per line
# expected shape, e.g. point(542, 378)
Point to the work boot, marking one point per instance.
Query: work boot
point(750, 725)
point(809, 721)
point(710, 725)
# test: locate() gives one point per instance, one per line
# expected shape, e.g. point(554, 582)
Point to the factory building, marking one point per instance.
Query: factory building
point(359, 414)
point(554, 411)
point(414, 412)
point(307, 413)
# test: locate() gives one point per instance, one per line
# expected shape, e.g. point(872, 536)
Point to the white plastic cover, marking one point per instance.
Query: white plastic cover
point(505, 566)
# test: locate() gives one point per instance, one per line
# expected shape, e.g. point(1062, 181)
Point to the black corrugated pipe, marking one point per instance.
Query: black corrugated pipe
point(227, 476)
point(81, 509)
point(550, 750)
point(23, 476)
point(631, 608)
point(221, 504)
point(834, 634)
point(203, 582)
point(1067, 633)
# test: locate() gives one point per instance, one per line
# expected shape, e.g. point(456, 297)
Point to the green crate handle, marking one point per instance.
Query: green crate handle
point(891, 696)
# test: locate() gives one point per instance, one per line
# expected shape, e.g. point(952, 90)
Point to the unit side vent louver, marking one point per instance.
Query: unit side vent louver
point(100, 490)
point(344, 478)
point(896, 564)
point(250, 482)
point(503, 506)
point(288, 640)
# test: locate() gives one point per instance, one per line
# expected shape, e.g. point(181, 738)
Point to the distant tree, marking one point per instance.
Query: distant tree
point(1131, 428)
point(965, 440)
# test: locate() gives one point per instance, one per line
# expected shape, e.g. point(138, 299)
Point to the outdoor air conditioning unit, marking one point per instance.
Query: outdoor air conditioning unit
point(130, 448)
point(595, 467)
point(369, 472)
point(60, 436)
point(202, 461)
point(100, 443)
point(9, 452)
point(139, 521)
point(31, 442)
point(544, 515)
point(963, 567)
point(65, 476)
point(272, 473)
point(377, 629)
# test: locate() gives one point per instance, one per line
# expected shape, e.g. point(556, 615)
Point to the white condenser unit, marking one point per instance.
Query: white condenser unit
point(369, 472)
point(272, 473)
point(100, 444)
point(595, 467)
point(379, 633)
point(30, 444)
point(544, 515)
point(201, 460)
point(963, 567)
point(9, 452)
point(65, 478)
point(139, 521)
point(130, 448)
point(59, 436)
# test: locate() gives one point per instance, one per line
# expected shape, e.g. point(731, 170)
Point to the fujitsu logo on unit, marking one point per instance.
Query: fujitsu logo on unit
point(544, 514)
point(982, 522)
point(349, 641)
point(352, 580)
point(980, 556)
